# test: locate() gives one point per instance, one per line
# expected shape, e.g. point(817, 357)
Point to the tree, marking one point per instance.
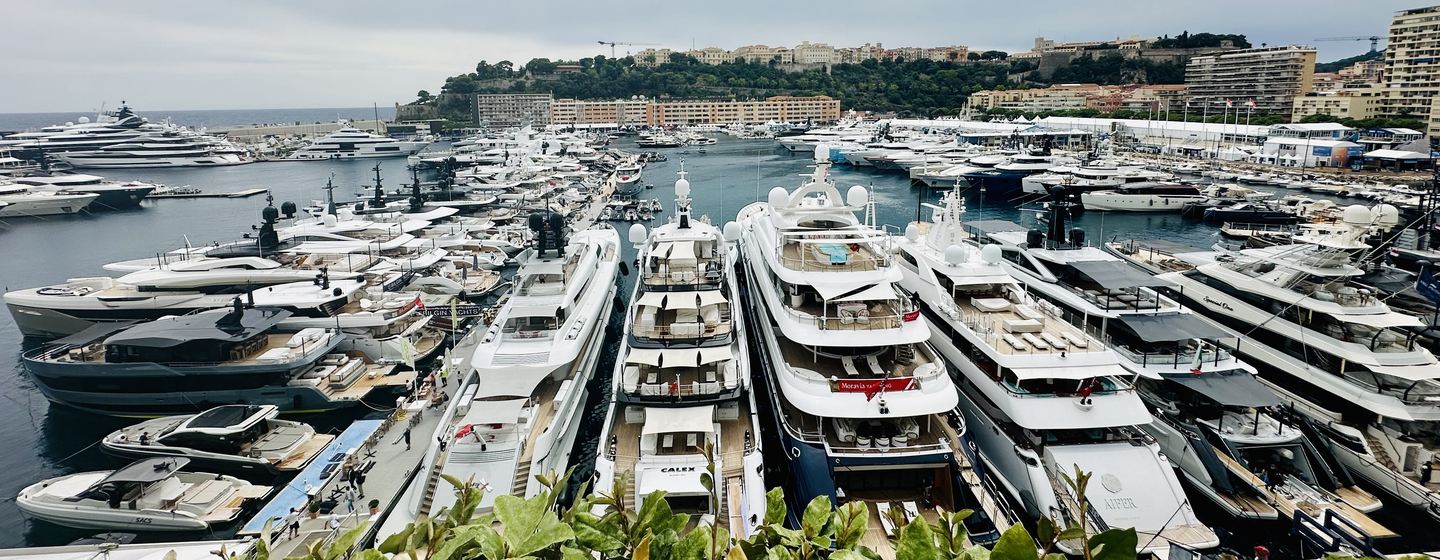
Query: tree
point(994, 55)
point(423, 97)
point(540, 66)
point(972, 56)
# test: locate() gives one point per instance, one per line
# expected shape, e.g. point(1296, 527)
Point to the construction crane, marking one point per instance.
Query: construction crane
point(1374, 40)
point(613, 43)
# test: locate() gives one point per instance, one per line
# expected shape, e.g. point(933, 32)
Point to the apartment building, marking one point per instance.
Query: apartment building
point(1363, 71)
point(814, 53)
point(697, 111)
point(1060, 97)
point(1356, 100)
point(513, 109)
point(621, 112)
point(1412, 67)
point(712, 55)
point(652, 57)
point(1271, 77)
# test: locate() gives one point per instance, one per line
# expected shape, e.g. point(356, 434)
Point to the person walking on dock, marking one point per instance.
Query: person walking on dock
point(406, 435)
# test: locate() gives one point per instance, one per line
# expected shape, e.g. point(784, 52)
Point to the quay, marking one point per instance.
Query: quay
point(247, 193)
point(373, 447)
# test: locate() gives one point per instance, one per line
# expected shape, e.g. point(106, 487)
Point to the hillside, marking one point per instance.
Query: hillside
point(1346, 62)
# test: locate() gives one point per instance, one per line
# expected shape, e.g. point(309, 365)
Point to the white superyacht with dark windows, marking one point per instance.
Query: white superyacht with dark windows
point(1331, 348)
point(1042, 397)
point(862, 406)
point(681, 387)
point(353, 143)
point(521, 397)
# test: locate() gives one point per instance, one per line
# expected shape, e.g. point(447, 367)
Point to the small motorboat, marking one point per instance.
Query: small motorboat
point(147, 495)
point(231, 438)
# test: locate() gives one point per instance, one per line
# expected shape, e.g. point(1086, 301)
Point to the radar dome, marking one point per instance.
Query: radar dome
point(84, 120)
point(1387, 215)
point(637, 234)
point(912, 232)
point(1356, 214)
point(954, 255)
point(329, 220)
point(857, 196)
point(778, 196)
point(822, 151)
point(682, 188)
point(990, 253)
point(732, 231)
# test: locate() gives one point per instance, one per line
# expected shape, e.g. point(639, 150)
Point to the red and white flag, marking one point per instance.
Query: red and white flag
point(1251, 103)
point(1228, 104)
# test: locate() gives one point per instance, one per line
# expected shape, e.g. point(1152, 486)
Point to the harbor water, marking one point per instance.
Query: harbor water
point(42, 441)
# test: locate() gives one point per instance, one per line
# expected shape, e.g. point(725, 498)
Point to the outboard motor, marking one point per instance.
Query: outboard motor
point(1035, 239)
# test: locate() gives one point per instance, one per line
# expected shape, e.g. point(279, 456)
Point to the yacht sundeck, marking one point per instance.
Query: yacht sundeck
point(239, 437)
point(147, 495)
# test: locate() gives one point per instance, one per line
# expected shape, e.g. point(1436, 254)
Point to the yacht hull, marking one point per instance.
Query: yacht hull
point(45, 206)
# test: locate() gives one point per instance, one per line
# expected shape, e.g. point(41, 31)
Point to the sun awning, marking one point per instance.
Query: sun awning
point(831, 291)
point(661, 250)
point(548, 267)
point(1381, 320)
point(712, 354)
point(512, 384)
point(878, 292)
point(1170, 327)
point(682, 300)
point(712, 297)
point(1116, 275)
point(1228, 389)
point(494, 412)
point(652, 299)
point(1071, 372)
point(687, 357)
point(963, 280)
point(1409, 373)
point(683, 250)
point(669, 420)
point(647, 356)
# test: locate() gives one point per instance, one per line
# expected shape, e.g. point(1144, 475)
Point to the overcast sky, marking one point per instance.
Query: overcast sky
point(64, 55)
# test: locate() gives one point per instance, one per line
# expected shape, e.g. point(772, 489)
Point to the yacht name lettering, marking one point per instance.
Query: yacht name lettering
point(677, 469)
point(1219, 304)
point(1120, 503)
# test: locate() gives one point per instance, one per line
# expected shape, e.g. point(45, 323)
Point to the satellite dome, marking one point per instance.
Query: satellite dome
point(1387, 215)
point(732, 231)
point(990, 254)
point(637, 234)
point(682, 188)
point(329, 220)
point(912, 232)
point(1356, 214)
point(822, 151)
point(954, 255)
point(857, 196)
point(84, 120)
point(778, 196)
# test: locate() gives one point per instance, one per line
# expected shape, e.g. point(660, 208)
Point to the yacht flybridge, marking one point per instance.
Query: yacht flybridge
point(352, 143)
point(1330, 347)
point(682, 382)
point(519, 406)
point(863, 407)
point(1042, 397)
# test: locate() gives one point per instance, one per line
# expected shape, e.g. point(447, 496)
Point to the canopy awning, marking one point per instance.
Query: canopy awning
point(1228, 388)
point(712, 354)
point(977, 280)
point(1381, 320)
point(661, 250)
point(878, 292)
point(494, 412)
point(669, 420)
point(1116, 275)
point(1170, 327)
point(1409, 373)
point(546, 267)
point(687, 357)
point(1074, 372)
point(682, 300)
point(647, 356)
point(652, 299)
point(712, 297)
point(520, 383)
point(682, 250)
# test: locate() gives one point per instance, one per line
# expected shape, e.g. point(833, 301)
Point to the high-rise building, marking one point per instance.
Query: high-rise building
point(513, 109)
point(1412, 75)
point(1356, 100)
point(1271, 77)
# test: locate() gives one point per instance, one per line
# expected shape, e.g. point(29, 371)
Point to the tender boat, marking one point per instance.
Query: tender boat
point(147, 495)
point(240, 437)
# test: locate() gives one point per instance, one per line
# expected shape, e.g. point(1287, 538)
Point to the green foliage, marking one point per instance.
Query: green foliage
point(1112, 69)
point(1347, 62)
point(1199, 41)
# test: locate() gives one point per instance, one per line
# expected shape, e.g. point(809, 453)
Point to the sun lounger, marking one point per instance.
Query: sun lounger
point(883, 509)
point(1075, 340)
point(874, 364)
point(912, 510)
point(1034, 341)
point(849, 364)
point(1014, 342)
point(1052, 340)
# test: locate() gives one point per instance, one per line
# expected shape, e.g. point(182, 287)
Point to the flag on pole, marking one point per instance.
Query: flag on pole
point(1251, 103)
point(1228, 104)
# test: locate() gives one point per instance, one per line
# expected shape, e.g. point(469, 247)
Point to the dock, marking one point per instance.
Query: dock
point(376, 448)
point(247, 193)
